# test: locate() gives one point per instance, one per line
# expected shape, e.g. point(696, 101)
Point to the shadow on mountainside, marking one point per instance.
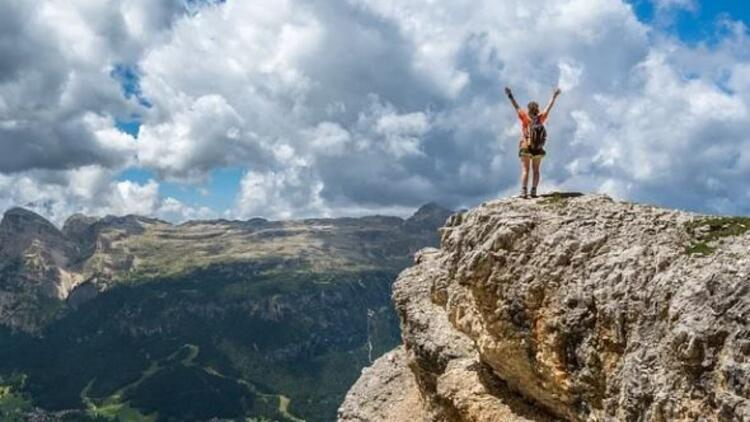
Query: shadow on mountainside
point(514, 400)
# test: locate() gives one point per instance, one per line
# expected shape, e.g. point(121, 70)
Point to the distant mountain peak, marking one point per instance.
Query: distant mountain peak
point(21, 212)
point(78, 217)
point(427, 217)
point(430, 211)
point(18, 220)
point(431, 208)
point(131, 219)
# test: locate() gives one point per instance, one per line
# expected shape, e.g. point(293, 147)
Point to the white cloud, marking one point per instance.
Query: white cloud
point(367, 105)
point(739, 81)
point(613, 126)
point(570, 75)
point(328, 139)
point(200, 134)
point(55, 84)
point(402, 132)
point(90, 190)
point(171, 209)
point(293, 192)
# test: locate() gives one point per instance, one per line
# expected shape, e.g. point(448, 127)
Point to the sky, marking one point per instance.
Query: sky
point(195, 109)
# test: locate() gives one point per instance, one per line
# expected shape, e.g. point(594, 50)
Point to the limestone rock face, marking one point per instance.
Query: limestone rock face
point(391, 395)
point(578, 308)
point(22, 233)
point(27, 240)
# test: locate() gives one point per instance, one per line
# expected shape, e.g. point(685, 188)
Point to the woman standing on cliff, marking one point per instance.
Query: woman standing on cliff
point(533, 136)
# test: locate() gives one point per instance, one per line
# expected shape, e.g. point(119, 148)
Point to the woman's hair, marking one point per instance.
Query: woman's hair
point(533, 108)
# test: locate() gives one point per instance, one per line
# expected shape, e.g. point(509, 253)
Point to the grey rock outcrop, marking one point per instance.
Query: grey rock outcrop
point(35, 268)
point(390, 395)
point(577, 309)
point(24, 233)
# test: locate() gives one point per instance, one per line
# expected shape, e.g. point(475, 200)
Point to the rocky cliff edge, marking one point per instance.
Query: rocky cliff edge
point(572, 308)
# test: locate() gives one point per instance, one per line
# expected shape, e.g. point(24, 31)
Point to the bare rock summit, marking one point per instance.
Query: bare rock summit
point(570, 308)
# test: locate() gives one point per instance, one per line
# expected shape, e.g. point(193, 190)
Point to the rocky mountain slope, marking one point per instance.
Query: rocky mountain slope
point(41, 266)
point(130, 318)
point(571, 308)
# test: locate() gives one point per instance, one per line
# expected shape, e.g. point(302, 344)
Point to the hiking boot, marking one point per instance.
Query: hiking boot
point(524, 194)
point(533, 192)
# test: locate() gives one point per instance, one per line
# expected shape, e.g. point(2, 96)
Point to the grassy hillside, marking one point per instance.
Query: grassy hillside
point(226, 341)
point(130, 318)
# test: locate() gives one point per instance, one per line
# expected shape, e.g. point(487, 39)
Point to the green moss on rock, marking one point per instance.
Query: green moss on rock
point(706, 232)
point(554, 199)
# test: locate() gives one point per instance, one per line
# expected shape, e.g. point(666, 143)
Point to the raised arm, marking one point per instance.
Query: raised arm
point(510, 97)
point(552, 101)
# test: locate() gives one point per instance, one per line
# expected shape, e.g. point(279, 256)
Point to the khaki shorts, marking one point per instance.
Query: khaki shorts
point(527, 151)
point(532, 153)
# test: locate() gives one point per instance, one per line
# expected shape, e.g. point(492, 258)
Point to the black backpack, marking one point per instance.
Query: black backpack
point(537, 133)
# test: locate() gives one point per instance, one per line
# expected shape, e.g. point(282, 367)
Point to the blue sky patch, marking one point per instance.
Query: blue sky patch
point(130, 81)
point(131, 126)
point(695, 26)
point(218, 193)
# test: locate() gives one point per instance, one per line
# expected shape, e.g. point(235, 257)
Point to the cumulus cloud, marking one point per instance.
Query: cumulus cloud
point(327, 139)
point(91, 190)
point(380, 103)
point(402, 133)
point(284, 195)
point(55, 83)
point(44, 112)
point(202, 135)
point(352, 106)
point(59, 101)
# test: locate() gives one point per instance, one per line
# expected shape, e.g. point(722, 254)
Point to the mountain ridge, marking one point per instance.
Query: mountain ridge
point(428, 208)
point(43, 261)
point(229, 320)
